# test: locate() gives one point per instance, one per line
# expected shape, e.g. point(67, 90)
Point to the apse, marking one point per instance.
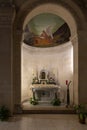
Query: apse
point(46, 47)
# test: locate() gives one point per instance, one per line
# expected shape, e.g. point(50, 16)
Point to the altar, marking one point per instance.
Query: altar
point(44, 87)
point(45, 92)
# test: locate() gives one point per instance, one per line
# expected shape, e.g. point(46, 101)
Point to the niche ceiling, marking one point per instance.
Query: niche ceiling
point(46, 30)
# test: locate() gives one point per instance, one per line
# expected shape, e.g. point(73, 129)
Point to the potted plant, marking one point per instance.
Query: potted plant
point(4, 113)
point(82, 113)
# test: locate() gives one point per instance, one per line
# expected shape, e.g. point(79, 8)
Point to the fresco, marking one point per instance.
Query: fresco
point(46, 30)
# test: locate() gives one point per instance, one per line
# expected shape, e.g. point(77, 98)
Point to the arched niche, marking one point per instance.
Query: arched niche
point(70, 20)
point(66, 15)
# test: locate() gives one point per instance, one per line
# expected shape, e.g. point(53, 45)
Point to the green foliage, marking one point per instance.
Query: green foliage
point(56, 102)
point(4, 113)
point(81, 109)
point(33, 101)
point(82, 112)
point(81, 116)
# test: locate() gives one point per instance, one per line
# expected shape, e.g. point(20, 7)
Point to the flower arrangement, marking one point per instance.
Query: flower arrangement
point(35, 80)
point(51, 81)
point(56, 102)
point(33, 101)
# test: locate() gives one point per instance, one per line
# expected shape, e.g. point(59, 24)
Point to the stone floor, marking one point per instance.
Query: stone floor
point(43, 122)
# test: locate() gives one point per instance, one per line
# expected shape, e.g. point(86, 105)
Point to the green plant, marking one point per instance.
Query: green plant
point(4, 113)
point(33, 101)
point(56, 102)
point(82, 113)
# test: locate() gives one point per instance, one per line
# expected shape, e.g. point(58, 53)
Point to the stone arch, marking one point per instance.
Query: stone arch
point(69, 5)
point(71, 18)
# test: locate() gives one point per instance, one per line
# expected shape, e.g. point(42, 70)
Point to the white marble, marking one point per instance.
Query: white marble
point(37, 86)
point(43, 122)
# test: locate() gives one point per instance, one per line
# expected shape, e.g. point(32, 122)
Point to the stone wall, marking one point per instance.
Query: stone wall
point(10, 50)
point(6, 89)
point(57, 60)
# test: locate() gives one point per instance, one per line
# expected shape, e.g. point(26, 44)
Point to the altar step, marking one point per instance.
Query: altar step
point(47, 109)
point(50, 111)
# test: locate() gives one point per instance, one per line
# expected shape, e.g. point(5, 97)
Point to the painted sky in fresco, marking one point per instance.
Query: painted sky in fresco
point(46, 30)
point(42, 21)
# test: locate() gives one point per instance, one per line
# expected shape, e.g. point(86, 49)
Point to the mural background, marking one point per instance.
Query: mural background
point(46, 30)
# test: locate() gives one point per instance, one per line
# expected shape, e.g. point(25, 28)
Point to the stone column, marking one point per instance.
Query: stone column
point(74, 41)
point(17, 69)
point(82, 65)
point(6, 87)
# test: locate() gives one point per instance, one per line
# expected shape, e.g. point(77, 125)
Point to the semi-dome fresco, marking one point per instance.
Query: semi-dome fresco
point(46, 30)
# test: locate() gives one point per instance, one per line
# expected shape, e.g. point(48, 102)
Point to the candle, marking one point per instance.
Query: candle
point(66, 82)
